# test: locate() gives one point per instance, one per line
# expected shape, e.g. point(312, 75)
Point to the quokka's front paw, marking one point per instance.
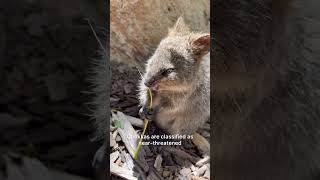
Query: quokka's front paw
point(201, 143)
point(145, 113)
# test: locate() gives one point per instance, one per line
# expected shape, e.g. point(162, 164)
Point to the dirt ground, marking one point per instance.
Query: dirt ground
point(164, 162)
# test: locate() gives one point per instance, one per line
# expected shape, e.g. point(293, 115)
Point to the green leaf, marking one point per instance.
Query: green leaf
point(118, 124)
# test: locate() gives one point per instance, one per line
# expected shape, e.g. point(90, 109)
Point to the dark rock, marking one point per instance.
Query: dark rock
point(178, 160)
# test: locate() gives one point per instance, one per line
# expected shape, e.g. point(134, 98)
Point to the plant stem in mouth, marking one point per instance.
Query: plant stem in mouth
point(135, 155)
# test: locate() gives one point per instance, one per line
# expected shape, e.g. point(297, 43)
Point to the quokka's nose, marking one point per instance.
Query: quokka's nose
point(152, 85)
point(147, 83)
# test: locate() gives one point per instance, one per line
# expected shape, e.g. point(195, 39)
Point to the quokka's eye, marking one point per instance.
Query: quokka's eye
point(166, 72)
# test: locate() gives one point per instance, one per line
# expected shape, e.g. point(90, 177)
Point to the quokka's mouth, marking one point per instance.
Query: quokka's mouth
point(155, 87)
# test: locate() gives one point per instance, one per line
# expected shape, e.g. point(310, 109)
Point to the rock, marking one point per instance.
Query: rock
point(178, 160)
point(193, 168)
point(152, 176)
point(118, 162)
point(203, 161)
point(207, 174)
point(185, 171)
point(114, 99)
point(200, 171)
point(135, 33)
point(114, 156)
point(128, 160)
point(197, 178)
point(118, 138)
point(158, 162)
point(166, 173)
point(147, 150)
point(206, 134)
point(114, 134)
point(187, 163)
point(183, 178)
point(172, 169)
point(112, 141)
point(208, 165)
point(116, 146)
point(112, 128)
point(168, 160)
point(187, 144)
point(121, 172)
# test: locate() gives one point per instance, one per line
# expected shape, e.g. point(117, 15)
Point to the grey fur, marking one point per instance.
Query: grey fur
point(182, 100)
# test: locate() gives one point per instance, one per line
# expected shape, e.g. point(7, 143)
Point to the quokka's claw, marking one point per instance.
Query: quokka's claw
point(145, 113)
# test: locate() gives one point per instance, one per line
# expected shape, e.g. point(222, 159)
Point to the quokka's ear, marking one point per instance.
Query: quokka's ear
point(179, 29)
point(200, 45)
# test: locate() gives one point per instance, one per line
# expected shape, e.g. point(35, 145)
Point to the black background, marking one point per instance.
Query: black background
point(46, 52)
